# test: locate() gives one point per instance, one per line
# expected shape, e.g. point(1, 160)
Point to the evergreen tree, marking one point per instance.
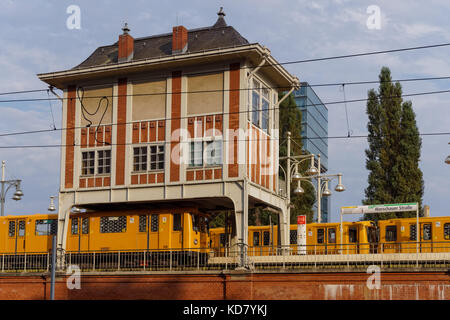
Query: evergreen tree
point(394, 149)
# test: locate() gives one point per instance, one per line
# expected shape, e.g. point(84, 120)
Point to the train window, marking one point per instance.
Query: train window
point(12, 228)
point(447, 231)
point(320, 236)
point(142, 223)
point(332, 235)
point(85, 226)
point(391, 233)
point(293, 237)
point(256, 238)
point(427, 231)
point(74, 225)
point(113, 224)
point(177, 222)
point(266, 238)
point(195, 222)
point(352, 235)
point(154, 223)
point(222, 239)
point(412, 232)
point(21, 232)
point(46, 227)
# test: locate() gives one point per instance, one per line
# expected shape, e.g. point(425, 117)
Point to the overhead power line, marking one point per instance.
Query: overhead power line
point(188, 141)
point(234, 112)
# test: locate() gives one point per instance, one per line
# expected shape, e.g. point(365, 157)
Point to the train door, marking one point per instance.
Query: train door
point(266, 242)
point(164, 231)
point(331, 243)
point(353, 240)
point(254, 250)
point(390, 244)
point(321, 241)
point(143, 234)
point(426, 237)
point(16, 236)
point(153, 235)
point(79, 234)
point(177, 232)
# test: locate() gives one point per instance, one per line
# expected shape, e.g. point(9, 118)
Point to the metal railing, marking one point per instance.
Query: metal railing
point(387, 255)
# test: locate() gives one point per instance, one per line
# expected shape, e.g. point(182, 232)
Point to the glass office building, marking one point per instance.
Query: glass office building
point(314, 129)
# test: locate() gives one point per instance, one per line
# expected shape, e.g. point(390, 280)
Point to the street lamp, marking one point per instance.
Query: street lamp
point(52, 207)
point(6, 185)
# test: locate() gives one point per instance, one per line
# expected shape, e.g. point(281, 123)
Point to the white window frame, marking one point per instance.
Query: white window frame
point(96, 162)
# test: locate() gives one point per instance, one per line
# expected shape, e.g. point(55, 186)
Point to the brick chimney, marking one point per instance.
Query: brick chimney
point(126, 45)
point(179, 40)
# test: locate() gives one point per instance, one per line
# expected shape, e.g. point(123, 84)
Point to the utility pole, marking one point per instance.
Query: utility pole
point(6, 185)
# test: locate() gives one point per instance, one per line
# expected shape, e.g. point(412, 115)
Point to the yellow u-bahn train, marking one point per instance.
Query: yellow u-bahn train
point(185, 234)
point(362, 237)
point(153, 234)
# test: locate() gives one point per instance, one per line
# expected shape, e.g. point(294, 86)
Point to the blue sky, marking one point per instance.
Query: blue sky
point(35, 39)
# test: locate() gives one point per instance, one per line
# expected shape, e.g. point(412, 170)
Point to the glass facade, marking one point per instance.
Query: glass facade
point(314, 133)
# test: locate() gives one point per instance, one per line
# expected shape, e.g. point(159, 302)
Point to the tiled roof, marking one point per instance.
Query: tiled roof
point(219, 35)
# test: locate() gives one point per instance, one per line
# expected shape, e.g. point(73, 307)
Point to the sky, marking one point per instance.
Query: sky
point(36, 39)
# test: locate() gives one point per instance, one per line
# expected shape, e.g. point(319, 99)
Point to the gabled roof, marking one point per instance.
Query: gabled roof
point(219, 35)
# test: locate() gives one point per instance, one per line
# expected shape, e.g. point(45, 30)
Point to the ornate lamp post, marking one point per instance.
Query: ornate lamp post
point(6, 185)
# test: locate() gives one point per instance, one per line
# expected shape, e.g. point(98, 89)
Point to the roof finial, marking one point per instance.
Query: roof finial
point(125, 28)
point(221, 13)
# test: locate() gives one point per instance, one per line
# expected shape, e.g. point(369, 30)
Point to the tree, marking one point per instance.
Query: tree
point(394, 149)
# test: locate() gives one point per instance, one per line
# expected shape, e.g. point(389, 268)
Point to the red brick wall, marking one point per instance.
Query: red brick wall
point(176, 122)
point(121, 131)
point(70, 137)
point(257, 286)
point(233, 167)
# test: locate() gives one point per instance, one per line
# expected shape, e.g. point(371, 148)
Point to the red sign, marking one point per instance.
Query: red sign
point(301, 219)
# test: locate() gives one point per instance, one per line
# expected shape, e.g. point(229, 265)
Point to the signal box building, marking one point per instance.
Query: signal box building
point(187, 118)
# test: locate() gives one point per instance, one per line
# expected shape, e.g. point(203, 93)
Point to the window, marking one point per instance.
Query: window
point(214, 152)
point(177, 222)
point(196, 159)
point(21, 232)
point(140, 159)
point(74, 226)
point(320, 235)
point(154, 223)
point(104, 161)
point(12, 229)
point(255, 103)
point(210, 151)
point(332, 235)
point(255, 238)
point(222, 239)
point(352, 235)
point(293, 237)
point(391, 233)
point(195, 222)
point(447, 231)
point(427, 231)
point(266, 238)
point(157, 157)
point(85, 226)
point(413, 232)
point(46, 227)
point(88, 163)
point(113, 224)
point(260, 105)
point(142, 223)
point(95, 162)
